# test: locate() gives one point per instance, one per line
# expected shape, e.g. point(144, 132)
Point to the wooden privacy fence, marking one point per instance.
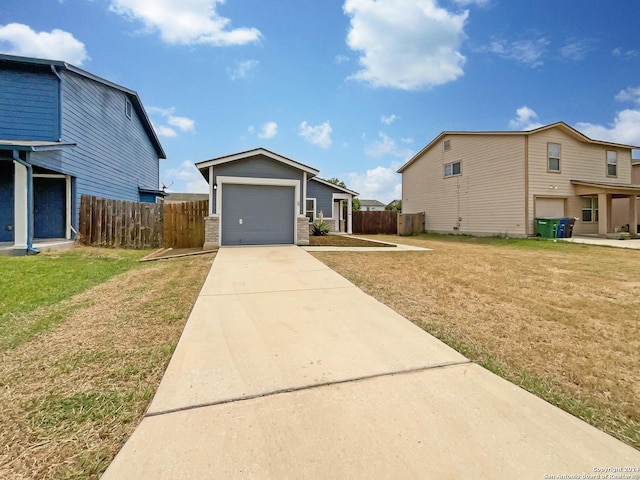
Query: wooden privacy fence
point(410, 223)
point(117, 223)
point(368, 222)
point(184, 224)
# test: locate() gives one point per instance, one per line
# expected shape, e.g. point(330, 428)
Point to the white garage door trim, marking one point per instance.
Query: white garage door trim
point(278, 182)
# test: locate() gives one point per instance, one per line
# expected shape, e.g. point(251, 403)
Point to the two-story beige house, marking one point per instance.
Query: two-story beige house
point(497, 183)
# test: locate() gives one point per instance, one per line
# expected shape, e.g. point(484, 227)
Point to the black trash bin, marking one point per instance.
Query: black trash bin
point(568, 230)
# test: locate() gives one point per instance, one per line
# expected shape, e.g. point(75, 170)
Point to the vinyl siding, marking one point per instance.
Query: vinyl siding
point(578, 161)
point(258, 166)
point(487, 198)
point(324, 197)
point(113, 156)
point(28, 105)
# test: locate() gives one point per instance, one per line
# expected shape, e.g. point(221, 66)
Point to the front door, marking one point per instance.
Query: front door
point(49, 207)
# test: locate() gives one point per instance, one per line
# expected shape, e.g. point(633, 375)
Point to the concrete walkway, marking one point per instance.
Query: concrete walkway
point(606, 242)
point(285, 370)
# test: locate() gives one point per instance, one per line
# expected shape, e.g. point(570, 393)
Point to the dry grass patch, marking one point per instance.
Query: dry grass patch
point(71, 396)
point(559, 319)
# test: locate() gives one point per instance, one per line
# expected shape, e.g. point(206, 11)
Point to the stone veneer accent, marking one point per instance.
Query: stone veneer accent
point(212, 232)
point(303, 230)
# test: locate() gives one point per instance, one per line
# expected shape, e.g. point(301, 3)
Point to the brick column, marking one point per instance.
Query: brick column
point(303, 230)
point(211, 232)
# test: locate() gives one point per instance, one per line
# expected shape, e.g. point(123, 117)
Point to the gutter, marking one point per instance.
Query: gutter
point(54, 70)
point(27, 165)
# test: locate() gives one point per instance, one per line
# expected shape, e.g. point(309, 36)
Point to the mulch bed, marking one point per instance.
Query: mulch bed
point(343, 241)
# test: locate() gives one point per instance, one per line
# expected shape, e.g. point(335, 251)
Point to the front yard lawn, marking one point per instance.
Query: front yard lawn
point(561, 320)
point(83, 348)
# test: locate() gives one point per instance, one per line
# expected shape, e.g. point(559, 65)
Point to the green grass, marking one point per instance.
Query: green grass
point(31, 282)
point(531, 243)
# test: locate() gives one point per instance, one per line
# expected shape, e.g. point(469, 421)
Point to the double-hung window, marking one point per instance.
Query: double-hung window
point(311, 209)
point(553, 157)
point(612, 163)
point(590, 209)
point(451, 169)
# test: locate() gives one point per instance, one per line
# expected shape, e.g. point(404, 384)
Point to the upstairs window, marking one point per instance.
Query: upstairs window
point(127, 108)
point(447, 145)
point(553, 157)
point(612, 163)
point(451, 169)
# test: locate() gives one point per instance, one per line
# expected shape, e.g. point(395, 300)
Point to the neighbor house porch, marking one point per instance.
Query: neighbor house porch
point(598, 199)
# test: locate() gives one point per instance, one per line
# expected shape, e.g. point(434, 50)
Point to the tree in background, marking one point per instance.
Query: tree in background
point(395, 206)
point(355, 203)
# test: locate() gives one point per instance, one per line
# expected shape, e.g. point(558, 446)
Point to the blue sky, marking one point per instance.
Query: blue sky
point(351, 87)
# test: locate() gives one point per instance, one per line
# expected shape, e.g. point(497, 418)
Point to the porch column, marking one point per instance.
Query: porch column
point(603, 214)
point(633, 215)
point(20, 209)
point(349, 216)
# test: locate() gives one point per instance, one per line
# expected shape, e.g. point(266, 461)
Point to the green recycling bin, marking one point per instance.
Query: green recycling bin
point(547, 227)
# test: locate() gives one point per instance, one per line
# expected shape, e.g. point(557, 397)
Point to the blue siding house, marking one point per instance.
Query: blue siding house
point(65, 132)
point(259, 197)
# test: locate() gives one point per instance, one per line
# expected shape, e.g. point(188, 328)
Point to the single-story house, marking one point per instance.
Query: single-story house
point(178, 197)
point(259, 197)
point(371, 205)
point(65, 132)
point(497, 183)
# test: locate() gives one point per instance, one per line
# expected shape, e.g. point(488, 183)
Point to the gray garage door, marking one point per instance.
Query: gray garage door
point(257, 214)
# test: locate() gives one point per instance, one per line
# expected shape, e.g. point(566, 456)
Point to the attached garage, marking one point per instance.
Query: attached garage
point(550, 207)
point(256, 198)
point(258, 214)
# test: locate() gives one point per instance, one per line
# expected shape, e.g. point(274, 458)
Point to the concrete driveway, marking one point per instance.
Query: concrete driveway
point(287, 370)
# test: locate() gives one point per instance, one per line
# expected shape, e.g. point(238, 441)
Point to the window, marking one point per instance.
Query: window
point(447, 145)
point(451, 169)
point(311, 209)
point(589, 209)
point(127, 108)
point(612, 163)
point(553, 155)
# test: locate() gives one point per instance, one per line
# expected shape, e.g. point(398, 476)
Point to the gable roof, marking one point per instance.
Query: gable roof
point(333, 185)
point(204, 165)
point(371, 203)
point(55, 65)
point(569, 130)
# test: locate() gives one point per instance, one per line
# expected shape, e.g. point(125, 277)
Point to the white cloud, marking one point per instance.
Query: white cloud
point(618, 52)
point(242, 69)
point(389, 119)
point(319, 135)
point(164, 131)
point(624, 129)
point(19, 39)
point(380, 183)
point(182, 123)
point(526, 52)
point(186, 22)
point(185, 179)
point(526, 119)
point(385, 145)
point(575, 50)
point(340, 59)
point(405, 44)
point(631, 94)
point(268, 130)
point(479, 3)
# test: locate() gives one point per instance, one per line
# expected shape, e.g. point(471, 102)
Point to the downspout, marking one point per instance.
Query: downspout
point(57, 74)
point(27, 165)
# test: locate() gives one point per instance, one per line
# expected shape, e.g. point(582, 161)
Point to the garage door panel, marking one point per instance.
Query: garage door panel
point(257, 214)
point(550, 207)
